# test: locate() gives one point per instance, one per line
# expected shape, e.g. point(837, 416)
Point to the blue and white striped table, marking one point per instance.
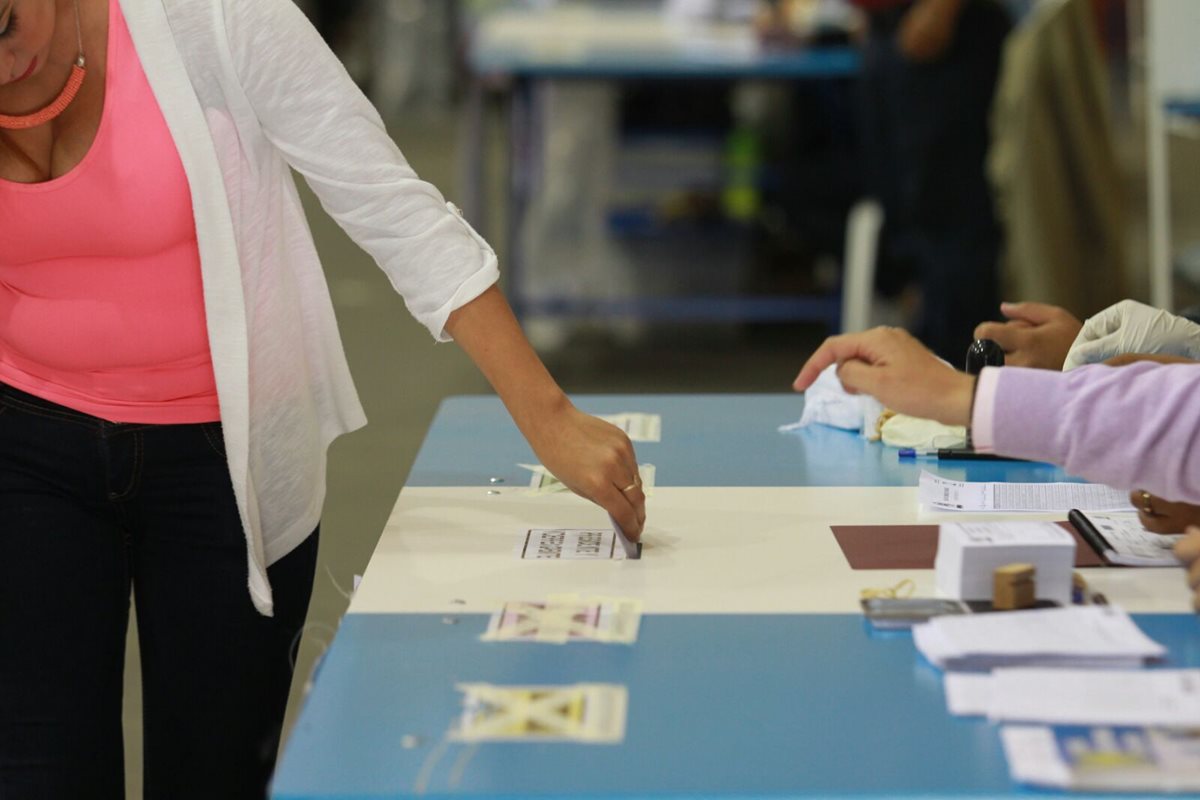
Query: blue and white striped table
point(752, 676)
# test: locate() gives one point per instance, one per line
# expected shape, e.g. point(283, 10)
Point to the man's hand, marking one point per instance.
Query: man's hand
point(896, 369)
point(1162, 516)
point(927, 30)
point(1187, 550)
point(1036, 335)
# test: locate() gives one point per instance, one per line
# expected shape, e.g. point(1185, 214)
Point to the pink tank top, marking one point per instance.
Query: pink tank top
point(101, 302)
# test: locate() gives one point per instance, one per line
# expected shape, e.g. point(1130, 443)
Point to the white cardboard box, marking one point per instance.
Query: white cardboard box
point(969, 552)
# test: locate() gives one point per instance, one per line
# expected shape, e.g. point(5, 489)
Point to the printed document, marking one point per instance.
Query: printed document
point(944, 494)
point(1133, 545)
point(1083, 636)
point(1158, 697)
point(1104, 759)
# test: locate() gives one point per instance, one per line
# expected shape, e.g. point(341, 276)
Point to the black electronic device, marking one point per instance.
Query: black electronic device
point(983, 353)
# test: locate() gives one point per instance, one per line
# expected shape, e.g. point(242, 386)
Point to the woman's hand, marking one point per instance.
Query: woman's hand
point(1036, 335)
point(595, 460)
point(1162, 516)
point(896, 369)
point(1187, 550)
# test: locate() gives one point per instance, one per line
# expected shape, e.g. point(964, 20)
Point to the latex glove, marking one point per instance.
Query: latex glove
point(1132, 327)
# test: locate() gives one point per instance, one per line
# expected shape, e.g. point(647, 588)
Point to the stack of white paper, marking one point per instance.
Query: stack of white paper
point(969, 553)
point(1083, 636)
point(1159, 697)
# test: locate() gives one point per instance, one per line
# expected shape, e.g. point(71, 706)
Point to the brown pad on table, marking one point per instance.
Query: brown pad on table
point(915, 546)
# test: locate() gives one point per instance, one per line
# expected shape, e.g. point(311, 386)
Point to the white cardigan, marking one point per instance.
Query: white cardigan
point(249, 89)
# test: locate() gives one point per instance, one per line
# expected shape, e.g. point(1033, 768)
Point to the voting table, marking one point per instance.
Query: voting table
point(754, 673)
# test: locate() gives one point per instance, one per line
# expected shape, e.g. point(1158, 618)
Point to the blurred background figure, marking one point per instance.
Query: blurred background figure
point(1060, 188)
point(929, 74)
point(401, 52)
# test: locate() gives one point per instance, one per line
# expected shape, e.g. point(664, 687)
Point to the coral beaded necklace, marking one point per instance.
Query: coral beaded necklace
point(60, 103)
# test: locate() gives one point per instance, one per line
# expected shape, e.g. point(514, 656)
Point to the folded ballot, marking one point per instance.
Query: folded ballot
point(968, 554)
point(1078, 636)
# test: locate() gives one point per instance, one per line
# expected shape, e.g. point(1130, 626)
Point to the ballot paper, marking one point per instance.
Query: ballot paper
point(968, 694)
point(637, 426)
point(1131, 545)
point(570, 544)
point(1103, 759)
point(1076, 636)
point(567, 618)
point(1156, 697)
point(591, 713)
point(542, 481)
point(943, 494)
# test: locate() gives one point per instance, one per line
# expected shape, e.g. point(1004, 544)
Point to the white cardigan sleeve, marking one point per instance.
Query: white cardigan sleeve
point(314, 115)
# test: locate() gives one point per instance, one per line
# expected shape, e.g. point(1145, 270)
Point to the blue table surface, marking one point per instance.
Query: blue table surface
point(719, 706)
point(707, 440)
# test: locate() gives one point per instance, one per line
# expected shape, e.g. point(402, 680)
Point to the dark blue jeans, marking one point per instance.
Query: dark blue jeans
point(926, 136)
point(90, 510)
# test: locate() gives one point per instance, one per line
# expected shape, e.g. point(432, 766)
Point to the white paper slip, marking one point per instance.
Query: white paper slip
point(968, 694)
point(1132, 545)
point(1097, 636)
point(1152, 697)
point(570, 544)
point(969, 553)
point(584, 712)
point(567, 618)
point(1103, 759)
point(541, 481)
point(637, 426)
point(944, 494)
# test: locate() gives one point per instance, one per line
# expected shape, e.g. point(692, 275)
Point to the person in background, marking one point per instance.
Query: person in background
point(171, 374)
point(1066, 418)
point(929, 74)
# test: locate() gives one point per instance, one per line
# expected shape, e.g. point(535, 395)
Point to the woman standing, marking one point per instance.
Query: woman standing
point(171, 374)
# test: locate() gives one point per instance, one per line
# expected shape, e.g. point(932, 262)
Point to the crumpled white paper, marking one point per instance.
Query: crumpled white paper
point(826, 402)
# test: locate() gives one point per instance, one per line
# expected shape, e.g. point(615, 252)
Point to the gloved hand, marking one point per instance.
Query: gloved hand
point(1132, 327)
